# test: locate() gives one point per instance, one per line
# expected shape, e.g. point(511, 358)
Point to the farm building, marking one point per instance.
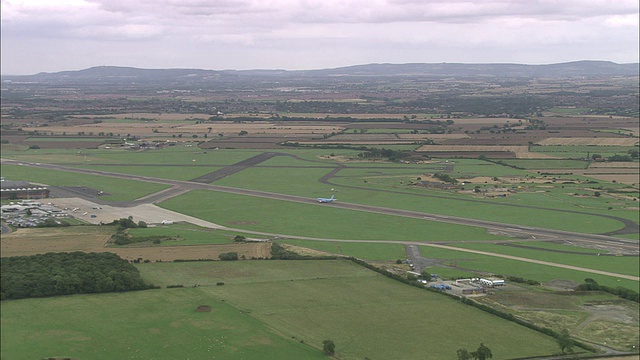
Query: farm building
point(14, 190)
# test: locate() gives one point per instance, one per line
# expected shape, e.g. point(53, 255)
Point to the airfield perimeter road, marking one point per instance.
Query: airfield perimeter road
point(179, 187)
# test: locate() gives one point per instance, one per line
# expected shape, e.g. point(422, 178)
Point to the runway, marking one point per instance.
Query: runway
point(178, 187)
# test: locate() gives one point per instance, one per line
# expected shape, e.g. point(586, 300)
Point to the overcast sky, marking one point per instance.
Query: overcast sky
point(56, 35)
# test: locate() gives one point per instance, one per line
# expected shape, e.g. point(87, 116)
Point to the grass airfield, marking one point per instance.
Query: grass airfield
point(285, 309)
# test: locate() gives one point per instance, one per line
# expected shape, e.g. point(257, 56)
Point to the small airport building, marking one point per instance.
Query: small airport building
point(22, 190)
point(491, 282)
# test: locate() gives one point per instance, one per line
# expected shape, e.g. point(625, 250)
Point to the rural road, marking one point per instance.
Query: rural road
point(178, 186)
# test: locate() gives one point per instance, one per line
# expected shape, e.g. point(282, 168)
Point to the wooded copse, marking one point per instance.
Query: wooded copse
point(53, 274)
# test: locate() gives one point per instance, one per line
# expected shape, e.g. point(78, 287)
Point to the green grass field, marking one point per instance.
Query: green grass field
point(544, 164)
point(552, 213)
point(314, 220)
point(463, 264)
point(338, 300)
point(627, 265)
point(183, 155)
point(364, 313)
point(158, 171)
point(119, 189)
point(154, 324)
point(469, 262)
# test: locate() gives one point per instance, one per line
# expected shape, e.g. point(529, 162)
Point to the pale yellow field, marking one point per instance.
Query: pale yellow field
point(485, 121)
point(614, 164)
point(432, 136)
point(31, 241)
point(590, 141)
point(155, 116)
point(226, 128)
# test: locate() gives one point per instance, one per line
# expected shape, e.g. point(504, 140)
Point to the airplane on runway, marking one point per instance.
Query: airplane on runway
point(326, 200)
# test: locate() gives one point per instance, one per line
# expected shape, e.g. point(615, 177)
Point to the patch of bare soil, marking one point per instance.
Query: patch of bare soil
point(240, 222)
point(305, 251)
point(562, 285)
point(203, 308)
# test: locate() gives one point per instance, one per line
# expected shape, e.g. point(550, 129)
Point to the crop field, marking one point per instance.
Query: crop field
point(192, 244)
point(32, 241)
point(188, 128)
point(63, 139)
point(584, 151)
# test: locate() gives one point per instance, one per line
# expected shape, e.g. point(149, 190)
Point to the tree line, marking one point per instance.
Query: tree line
point(53, 274)
point(592, 285)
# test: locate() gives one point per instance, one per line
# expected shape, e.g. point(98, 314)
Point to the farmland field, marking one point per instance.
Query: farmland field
point(191, 245)
point(321, 295)
point(590, 141)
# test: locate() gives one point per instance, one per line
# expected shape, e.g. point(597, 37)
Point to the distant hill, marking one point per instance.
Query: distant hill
point(570, 69)
point(123, 75)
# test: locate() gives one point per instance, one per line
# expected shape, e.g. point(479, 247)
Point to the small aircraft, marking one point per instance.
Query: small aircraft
point(326, 200)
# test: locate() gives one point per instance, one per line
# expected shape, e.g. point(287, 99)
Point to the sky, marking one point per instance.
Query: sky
point(57, 35)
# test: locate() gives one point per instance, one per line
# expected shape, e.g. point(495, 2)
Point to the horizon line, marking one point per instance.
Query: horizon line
point(326, 68)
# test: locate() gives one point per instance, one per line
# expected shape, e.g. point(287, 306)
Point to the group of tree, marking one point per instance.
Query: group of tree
point(482, 353)
point(445, 177)
point(128, 223)
point(121, 237)
point(66, 274)
point(230, 256)
point(328, 347)
point(392, 155)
